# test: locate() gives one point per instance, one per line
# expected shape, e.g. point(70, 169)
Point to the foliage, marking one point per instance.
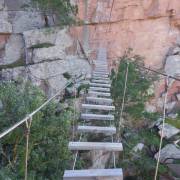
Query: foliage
point(17, 63)
point(138, 83)
point(42, 45)
point(174, 122)
point(61, 8)
point(50, 131)
point(84, 87)
point(142, 163)
point(67, 75)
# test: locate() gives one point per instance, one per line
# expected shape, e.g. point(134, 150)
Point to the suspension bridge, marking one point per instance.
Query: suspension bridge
point(97, 107)
point(97, 117)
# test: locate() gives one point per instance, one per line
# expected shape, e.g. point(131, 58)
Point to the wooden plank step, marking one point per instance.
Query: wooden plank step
point(101, 70)
point(98, 107)
point(102, 73)
point(101, 64)
point(100, 81)
point(98, 100)
point(97, 117)
point(99, 94)
point(87, 146)
point(97, 129)
point(100, 76)
point(100, 85)
point(101, 67)
point(94, 174)
point(102, 89)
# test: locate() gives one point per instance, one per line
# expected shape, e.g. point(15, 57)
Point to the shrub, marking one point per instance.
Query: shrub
point(50, 131)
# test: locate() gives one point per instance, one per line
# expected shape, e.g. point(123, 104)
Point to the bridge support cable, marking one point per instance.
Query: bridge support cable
point(163, 124)
point(28, 127)
point(123, 102)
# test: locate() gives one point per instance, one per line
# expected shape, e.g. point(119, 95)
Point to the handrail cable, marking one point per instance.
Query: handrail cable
point(163, 124)
point(123, 101)
point(152, 70)
point(29, 116)
point(28, 127)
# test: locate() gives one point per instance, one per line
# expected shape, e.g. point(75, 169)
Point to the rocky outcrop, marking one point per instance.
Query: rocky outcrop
point(14, 49)
point(169, 131)
point(138, 147)
point(149, 27)
point(39, 37)
point(5, 25)
point(48, 54)
point(172, 66)
point(169, 153)
point(29, 51)
point(49, 75)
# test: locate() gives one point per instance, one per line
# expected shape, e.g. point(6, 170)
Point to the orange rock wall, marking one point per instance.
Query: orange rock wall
point(150, 27)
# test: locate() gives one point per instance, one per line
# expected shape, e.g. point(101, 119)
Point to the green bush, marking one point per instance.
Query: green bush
point(141, 164)
point(50, 131)
point(138, 83)
point(62, 9)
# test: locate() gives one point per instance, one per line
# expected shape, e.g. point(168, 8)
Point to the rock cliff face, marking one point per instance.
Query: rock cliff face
point(150, 27)
point(29, 51)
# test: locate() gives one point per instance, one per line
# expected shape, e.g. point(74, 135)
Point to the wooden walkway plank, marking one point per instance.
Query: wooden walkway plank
point(100, 81)
point(98, 100)
point(97, 129)
point(94, 174)
point(86, 146)
point(102, 89)
point(101, 117)
point(98, 107)
point(101, 73)
point(100, 94)
point(100, 85)
point(100, 76)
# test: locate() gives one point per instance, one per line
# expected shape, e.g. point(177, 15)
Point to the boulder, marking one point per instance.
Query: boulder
point(57, 52)
point(17, 5)
point(5, 25)
point(48, 75)
point(14, 50)
point(26, 20)
point(169, 153)
point(174, 51)
point(1, 4)
point(48, 54)
point(172, 66)
point(178, 96)
point(169, 131)
point(175, 168)
point(39, 37)
point(78, 66)
point(138, 147)
point(63, 40)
